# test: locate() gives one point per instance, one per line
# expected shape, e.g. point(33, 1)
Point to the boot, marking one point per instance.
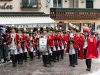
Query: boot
point(15, 64)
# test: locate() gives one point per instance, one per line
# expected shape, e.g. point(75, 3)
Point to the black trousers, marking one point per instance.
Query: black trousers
point(72, 59)
point(14, 59)
point(88, 63)
point(25, 56)
point(54, 55)
point(58, 54)
point(38, 52)
point(78, 53)
point(49, 58)
point(18, 58)
point(31, 55)
point(45, 59)
point(62, 54)
point(76, 56)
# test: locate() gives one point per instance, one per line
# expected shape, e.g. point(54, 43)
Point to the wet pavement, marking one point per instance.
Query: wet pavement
point(35, 67)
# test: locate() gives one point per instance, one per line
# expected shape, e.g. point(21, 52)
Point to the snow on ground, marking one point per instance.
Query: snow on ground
point(98, 71)
point(95, 73)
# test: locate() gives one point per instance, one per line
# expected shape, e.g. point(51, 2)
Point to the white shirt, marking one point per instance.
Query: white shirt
point(71, 51)
point(54, 48)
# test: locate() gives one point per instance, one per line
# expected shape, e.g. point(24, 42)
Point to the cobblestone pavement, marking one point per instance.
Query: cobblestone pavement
point(35, 67)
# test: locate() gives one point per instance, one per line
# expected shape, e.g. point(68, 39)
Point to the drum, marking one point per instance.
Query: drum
point(12, 47)
point(43, 44)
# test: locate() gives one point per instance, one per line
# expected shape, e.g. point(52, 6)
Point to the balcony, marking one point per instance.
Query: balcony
point(74, 14)
point(25, 5)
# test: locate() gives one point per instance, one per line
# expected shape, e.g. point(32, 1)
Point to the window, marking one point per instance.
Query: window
point(57, 3)
point(30, 3)
point(91, 25)
point(89, 4)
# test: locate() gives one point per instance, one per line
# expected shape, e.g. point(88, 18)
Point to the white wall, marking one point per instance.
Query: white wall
point(65, 4)
point(82, 5)
point(96, 4)
point(17, 6)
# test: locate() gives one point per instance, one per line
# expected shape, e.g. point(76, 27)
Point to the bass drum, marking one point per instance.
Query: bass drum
point(43, 44)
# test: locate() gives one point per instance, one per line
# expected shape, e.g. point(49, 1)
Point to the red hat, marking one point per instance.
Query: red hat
point(86, 29)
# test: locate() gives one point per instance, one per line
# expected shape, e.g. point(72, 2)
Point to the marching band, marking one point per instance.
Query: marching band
point(55, 43)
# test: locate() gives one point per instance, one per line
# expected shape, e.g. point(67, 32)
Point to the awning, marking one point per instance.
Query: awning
point(25, 20)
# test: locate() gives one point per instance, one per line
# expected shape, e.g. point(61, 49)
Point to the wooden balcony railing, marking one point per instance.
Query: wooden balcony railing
point(74, 14)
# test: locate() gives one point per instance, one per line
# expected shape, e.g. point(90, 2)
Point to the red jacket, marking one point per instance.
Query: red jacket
point(56, 44)
point(50, 41)
point(28, 40)
point(52, 36)
point(60, 43)
point(76, 41)
point(16, 38)
point(92, 51)
point(81, 44)
point(23, 39)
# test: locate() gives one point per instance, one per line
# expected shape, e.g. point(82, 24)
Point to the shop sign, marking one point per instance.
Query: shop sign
point(43, 25)
point(6, 6)
point(78, 21)
point(32, 25)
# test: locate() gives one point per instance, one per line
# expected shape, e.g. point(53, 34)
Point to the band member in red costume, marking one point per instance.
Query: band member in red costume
point(25, 47)
point(31, 45)
point(76, 45)
point(20, 48)
point(89, 49)
point(63, 43)
point(66, 38)
point(81, 44)
point(13, 40)
point(71, 52)
point(98, 41)
point(55, 48)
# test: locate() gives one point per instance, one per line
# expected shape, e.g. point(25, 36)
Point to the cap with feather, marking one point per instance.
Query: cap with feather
point(44, 29)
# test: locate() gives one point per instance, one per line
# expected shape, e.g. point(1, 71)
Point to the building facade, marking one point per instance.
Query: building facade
point(77, 12)
point(25, 9)
point(57, 7)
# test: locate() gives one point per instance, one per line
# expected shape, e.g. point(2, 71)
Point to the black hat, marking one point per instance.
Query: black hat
point(92, 32)
point(44, 29)
point(12, 28)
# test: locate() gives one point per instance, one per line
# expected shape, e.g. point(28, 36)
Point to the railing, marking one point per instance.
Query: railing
point(74, 14)
point(26, 5)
